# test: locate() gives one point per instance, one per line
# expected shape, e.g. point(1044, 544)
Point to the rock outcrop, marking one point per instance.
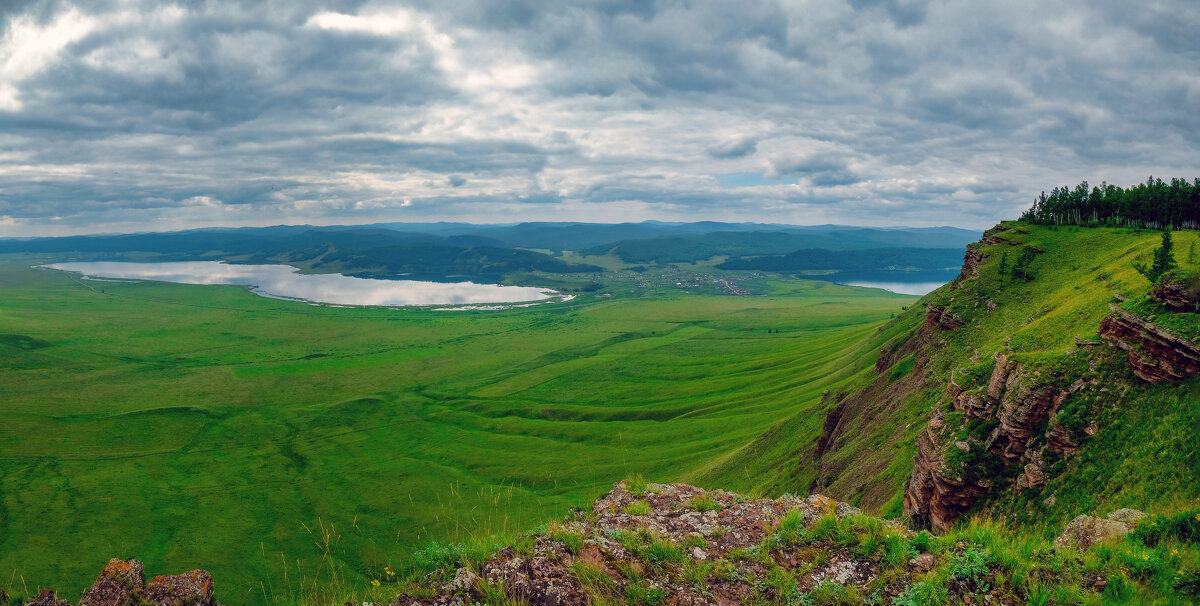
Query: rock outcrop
point(1154, 353)
point(1085, 531)
point(972, 260)
point(942, 318)
point(992, 236)
point(123, 583)
point(937, 493)
point(640, 542)
point(1175, 295)
point(1017, 411)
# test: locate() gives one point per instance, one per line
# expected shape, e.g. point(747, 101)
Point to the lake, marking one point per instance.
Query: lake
point(901, 282)
point(285, 282)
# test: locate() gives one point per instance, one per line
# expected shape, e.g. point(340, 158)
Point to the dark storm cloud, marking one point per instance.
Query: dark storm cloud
point(152, 115)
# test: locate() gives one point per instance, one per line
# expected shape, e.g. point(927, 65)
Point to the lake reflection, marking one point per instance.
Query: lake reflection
point(285, 281)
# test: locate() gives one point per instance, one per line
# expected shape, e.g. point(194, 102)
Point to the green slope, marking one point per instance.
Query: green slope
point(1144, 454)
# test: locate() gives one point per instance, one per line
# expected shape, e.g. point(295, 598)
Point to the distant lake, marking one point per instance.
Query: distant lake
point(285, 282)
point(901, 282)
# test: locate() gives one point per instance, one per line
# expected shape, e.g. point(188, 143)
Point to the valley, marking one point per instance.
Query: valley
point(188, 423)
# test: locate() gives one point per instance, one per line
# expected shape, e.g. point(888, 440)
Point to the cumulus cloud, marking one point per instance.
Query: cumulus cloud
point(147, 115)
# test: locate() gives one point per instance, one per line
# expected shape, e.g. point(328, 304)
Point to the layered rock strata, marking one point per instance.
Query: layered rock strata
point(1154, 353)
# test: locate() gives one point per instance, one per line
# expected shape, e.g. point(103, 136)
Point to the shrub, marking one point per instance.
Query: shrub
point(437, 556)
point(1164, 259)
point(922, 541)
point(971, 564)
point(1187, 581)
point(1116, 587)
point(902, 368)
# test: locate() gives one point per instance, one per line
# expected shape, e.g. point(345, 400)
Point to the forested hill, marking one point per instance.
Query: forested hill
point(866, 259)
point(1154, 204)
point(675, 248)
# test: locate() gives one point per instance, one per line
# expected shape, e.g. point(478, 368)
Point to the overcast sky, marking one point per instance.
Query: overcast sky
point(124, 116)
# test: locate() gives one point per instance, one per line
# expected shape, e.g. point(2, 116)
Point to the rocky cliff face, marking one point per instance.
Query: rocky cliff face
point(937, 492)
point(972, 260)
point(1007, 423)
point(1154, 353)
point(941, 318)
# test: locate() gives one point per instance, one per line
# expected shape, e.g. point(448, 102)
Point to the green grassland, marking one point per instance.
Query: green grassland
point(207, 427)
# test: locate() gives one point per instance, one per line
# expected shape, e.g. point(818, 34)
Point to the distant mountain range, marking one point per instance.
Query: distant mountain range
point(493, 251)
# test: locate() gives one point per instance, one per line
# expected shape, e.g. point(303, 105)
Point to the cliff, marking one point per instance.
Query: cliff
point(1032, 396)
point(1019, 429)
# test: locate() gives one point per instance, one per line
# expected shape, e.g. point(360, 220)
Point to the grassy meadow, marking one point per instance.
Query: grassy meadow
point(208, 427)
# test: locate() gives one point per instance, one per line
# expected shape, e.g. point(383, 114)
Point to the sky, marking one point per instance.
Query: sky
point(135, 115)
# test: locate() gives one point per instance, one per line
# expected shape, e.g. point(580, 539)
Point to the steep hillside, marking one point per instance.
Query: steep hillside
point(1033, 397)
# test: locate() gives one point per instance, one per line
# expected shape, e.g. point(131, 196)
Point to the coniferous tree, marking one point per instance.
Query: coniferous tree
point(1021, 266)
point(1003, 266)
point(1163, 261)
